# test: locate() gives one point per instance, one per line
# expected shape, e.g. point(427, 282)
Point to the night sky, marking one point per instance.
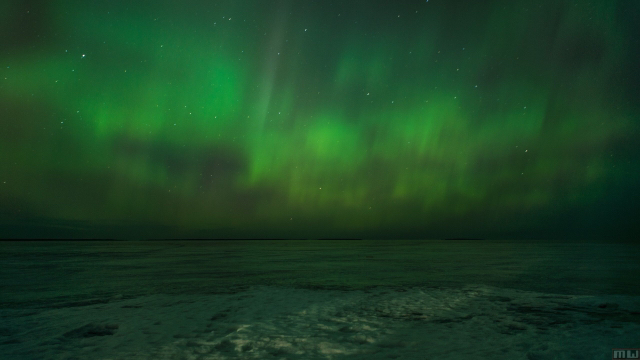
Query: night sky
point(320, 119)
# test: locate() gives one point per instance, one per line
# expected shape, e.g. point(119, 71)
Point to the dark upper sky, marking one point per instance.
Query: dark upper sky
point(396, 119)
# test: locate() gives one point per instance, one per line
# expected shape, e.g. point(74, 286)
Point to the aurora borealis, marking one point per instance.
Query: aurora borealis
point(239, 118)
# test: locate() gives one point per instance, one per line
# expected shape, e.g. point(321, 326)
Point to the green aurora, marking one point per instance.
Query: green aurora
point(321, 119)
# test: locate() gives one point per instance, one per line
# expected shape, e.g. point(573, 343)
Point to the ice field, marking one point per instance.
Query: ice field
point(317, 300)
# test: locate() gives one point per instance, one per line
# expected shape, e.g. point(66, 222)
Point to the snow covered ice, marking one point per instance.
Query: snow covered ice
point(314, 322)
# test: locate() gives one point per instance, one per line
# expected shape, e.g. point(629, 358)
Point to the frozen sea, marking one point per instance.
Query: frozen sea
point(318, 300)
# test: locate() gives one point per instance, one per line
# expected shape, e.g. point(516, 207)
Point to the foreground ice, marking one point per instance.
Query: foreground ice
point(267, 322)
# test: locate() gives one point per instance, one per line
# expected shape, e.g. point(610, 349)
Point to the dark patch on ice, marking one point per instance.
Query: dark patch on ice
point(347, 329)
point(228, 291)
point(241, 297)
point(343, 288)
point(608, 306)
point(499, 298)
point(544, 318)
point(604, 311)
point(359, 339)
point(529, 309)
point(79, 303)
point(225, 345)
point(11, 341)
point(388, 343)
point(131, 306)
point(621, 316)
point(566, 308)
point(276, 352)
point(562, 297)
point(22, 314)
point(91, 330)
point(458, 319)
point(442, 321)
point(179, 302)
point(512, 329)
point(220, 315)
point(539, 317)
